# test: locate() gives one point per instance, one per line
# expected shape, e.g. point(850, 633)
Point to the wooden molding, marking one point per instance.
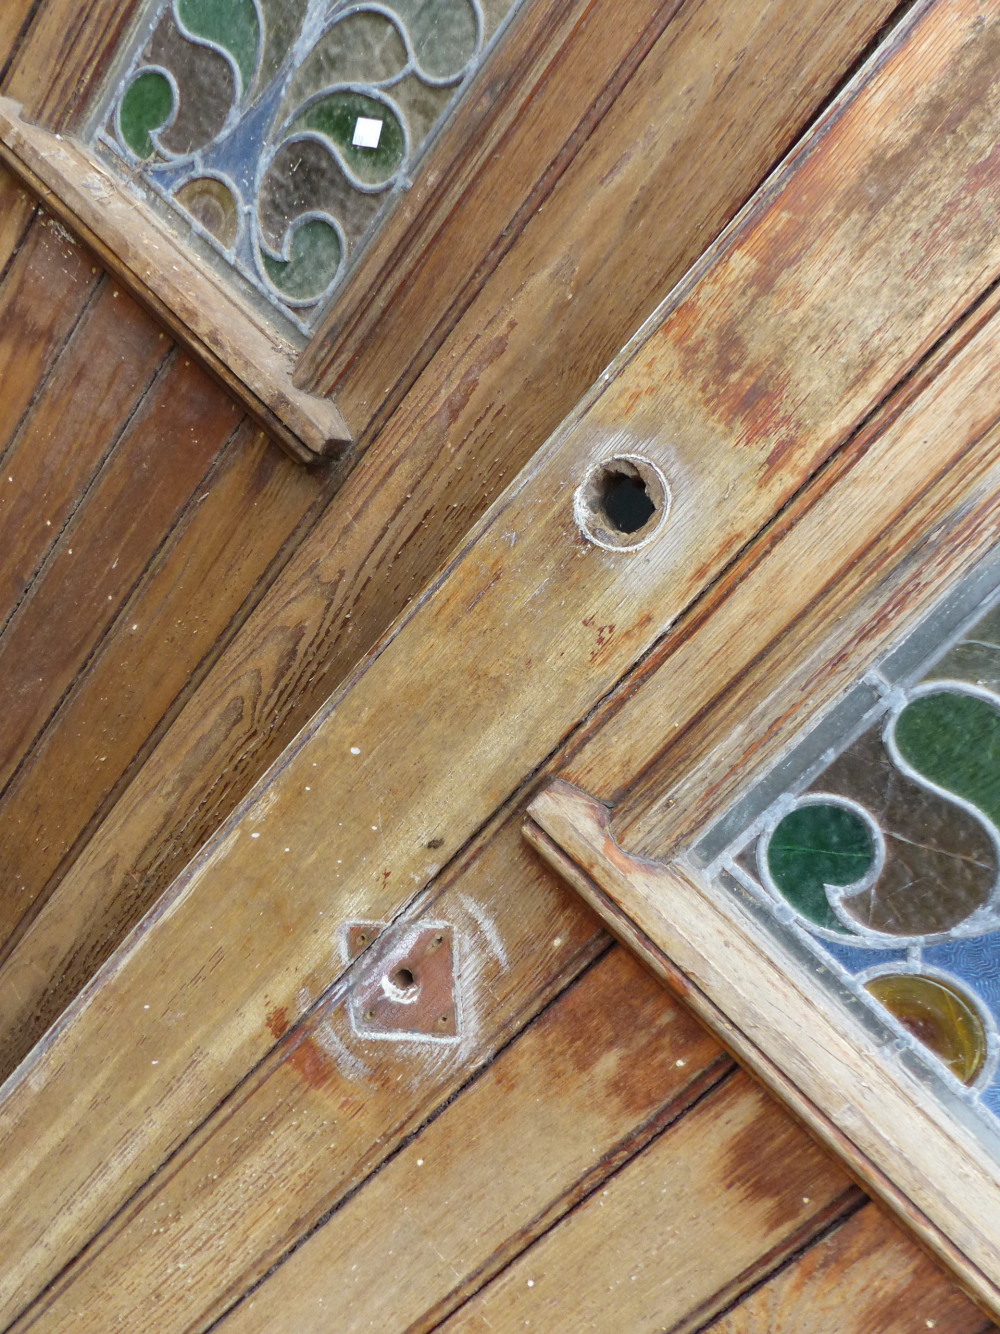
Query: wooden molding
point(890, 1132)
point(249, 360)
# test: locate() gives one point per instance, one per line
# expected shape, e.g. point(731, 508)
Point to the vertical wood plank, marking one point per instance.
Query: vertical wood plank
point(16, 210)
point(42, 297)
point(129, 510)
point(65, 53)
point(223, 547)
point(78, 414)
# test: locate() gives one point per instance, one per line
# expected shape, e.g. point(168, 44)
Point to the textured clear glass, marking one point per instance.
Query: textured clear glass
point(874, 846)
point(280, 130)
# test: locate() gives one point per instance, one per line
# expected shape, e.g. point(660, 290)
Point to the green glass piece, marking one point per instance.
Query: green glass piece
point(818, 845)
point(954, 740)
point(336, 116)
point(146, 106)
point(232, 24)
point(939, 1016)
point(442, 33)
point(314, 256)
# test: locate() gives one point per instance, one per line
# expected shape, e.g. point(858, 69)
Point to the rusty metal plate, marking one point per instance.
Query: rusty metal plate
point(406, 983)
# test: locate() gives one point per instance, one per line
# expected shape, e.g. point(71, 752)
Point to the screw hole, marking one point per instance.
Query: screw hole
point(369, 1015)
point(622, 502)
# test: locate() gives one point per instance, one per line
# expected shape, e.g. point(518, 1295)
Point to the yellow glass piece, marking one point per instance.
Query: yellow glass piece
point(208, 200)
point(939, 1015)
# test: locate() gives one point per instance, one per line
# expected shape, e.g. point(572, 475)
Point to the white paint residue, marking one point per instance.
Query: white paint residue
point(488, 928)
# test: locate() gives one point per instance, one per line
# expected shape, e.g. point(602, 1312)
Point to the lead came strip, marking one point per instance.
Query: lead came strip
point(281, 130)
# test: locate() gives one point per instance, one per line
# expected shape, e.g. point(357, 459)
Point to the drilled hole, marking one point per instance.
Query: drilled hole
point(622, 502)
point(403, 980)
point(625, 500)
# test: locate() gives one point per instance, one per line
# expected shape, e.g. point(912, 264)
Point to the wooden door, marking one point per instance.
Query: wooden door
point(300, 1033)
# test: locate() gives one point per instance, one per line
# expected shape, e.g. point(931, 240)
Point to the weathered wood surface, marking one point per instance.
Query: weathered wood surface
point(195, 591)
point(719, 96)
point(687, 1172)
point(14, 19)
point(44, 294)
point(784, 1024)
point(63, 56)
point(17, 208)
point(653, 1247)
point(524, 353)
point(464, 654)
point(864, 1278)
point(249, 359)
point(584, 1088)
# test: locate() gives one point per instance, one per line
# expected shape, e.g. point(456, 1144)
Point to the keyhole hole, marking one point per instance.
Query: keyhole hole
point(625, 500)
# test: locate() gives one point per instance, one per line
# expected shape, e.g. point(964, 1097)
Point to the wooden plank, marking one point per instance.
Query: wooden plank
point(720, 94)
point(44, 294)
point(64, 56)
point(545, 596)
point(864, 1276)
point(13, 21)
point(128, 512)
point(221, 555)
point(17, 207)
point(584, 1089)
point(785, 1026)
point(520, 358)
point(705, 1202)
point(247, 357)
point(331, 1107)
point(75, 420)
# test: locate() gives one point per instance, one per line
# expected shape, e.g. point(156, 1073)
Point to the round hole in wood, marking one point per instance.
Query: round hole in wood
point(403, 980)
point(622, 502)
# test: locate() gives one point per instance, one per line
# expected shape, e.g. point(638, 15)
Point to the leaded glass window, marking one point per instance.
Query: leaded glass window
point(872, 850)
point(279, 131)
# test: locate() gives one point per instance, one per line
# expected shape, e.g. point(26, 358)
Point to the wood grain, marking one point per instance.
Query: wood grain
point(720, 94)
point(44, 294)
point(864, 1278)
point(237, 935)
point(330, 1107)
point(99, 554)
point(13, 21)
point(537, 336)
point(64, 56)
point(788, 1029)
point(17, 208)
point(77, 416)
point(708, 1200)
point(246, 356)
point(221, 555)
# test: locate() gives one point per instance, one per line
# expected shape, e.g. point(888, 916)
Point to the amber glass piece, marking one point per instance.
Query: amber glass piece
point(939, 1016)
point(212, 203)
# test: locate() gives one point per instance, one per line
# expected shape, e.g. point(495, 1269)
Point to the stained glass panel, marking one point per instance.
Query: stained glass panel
point(873, 848)
point(278, 132)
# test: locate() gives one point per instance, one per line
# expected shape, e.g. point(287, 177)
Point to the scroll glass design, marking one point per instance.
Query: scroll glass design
point(281, 130)
point(872, 850)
